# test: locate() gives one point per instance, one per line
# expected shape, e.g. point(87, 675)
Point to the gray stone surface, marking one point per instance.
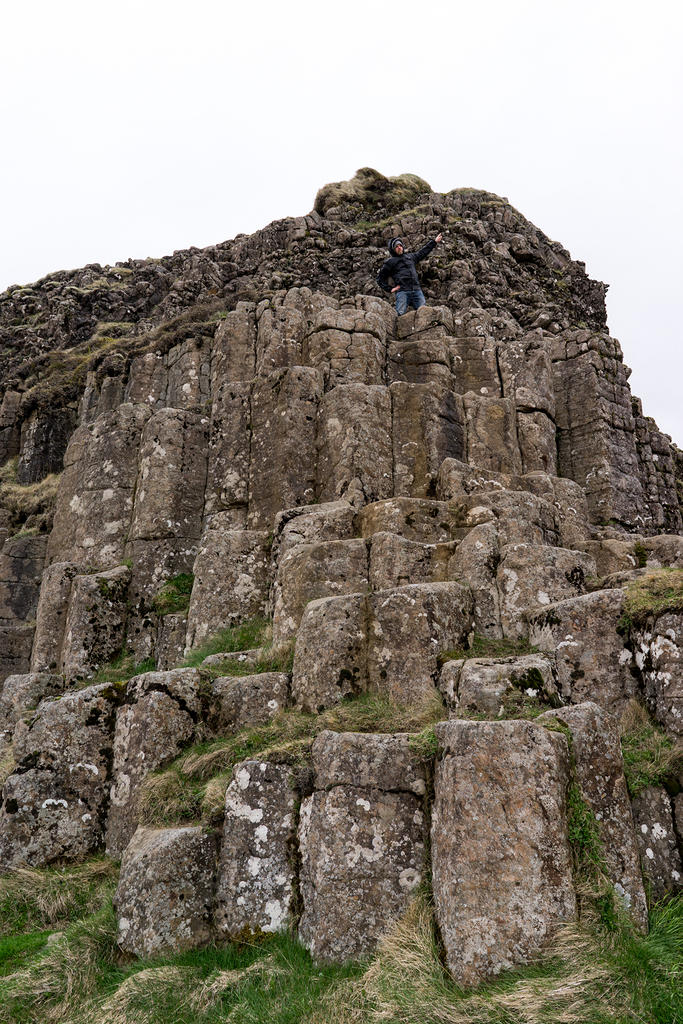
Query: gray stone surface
point(54, 803)
point(593, 662)
point(21, 693)
point(53, 604)
point(479, 686)
point(659, 655)
point(600, 775)
point(501, 864)
point(282, 469)
point(240, 701)
point(96, 489)
point(427, 427)
point(476, 560)
point(492, 433)
point(256, 876)
point(409, 628)
point(231, 579)
point(22, 559)
point(355, 454)
point(169, 649)
point(227, 485)
point(533, 575)
point(94, 630)
point(311, 571)
point(361, 845)
point(659, 853)
point(395, 561)
point(150, 733)
point(419, 519)
point(165, 896)
point(330, 659)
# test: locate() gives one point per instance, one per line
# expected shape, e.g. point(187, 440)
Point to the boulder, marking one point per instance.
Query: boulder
point(599, 773)
point(659, 854)
point(501, 863)
point(330, 659)
point(231, 579)
point(165, 896)
point(410, 627)
point(256, 876)
point(53, 805)
point(95, 626)
point(361, 842)
point(593, 662)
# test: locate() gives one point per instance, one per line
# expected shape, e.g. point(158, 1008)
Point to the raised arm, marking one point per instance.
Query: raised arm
point(426, 249)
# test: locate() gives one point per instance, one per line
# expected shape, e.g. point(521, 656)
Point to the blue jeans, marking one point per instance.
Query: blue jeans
point(413, 298)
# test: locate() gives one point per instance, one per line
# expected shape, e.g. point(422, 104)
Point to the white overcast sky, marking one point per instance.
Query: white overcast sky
point(131, 129)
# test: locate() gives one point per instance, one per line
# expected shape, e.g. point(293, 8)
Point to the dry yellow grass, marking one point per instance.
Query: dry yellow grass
point(406, 984)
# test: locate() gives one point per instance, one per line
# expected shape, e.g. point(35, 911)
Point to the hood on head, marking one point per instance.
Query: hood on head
point(393, 243)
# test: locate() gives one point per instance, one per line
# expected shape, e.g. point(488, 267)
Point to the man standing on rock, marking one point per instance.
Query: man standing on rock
point(400, 267)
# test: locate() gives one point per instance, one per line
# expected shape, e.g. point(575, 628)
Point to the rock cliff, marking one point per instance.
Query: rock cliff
point(460, 517)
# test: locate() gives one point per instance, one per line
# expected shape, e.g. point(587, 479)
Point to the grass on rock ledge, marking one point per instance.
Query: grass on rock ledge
point(79, 976)
point(121, 668)
point(174, 596)
point(246, 636)
point(192, 789)
point(489, 647)
point(651, 758)
point(651, 595)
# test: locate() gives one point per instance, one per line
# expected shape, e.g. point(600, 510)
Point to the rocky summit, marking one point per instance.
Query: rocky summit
point(306, 607)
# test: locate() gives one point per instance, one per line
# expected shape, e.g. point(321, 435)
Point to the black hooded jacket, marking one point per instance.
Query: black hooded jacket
point(402, 269)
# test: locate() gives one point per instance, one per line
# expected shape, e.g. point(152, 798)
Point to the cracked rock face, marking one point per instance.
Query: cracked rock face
point(600, 777)
point(256, 876)
point(164, 899)
point(659, 853)
point(255, 434)
point(500, 855)
point(150, 732)
point(361, 836)
point(54, 803)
